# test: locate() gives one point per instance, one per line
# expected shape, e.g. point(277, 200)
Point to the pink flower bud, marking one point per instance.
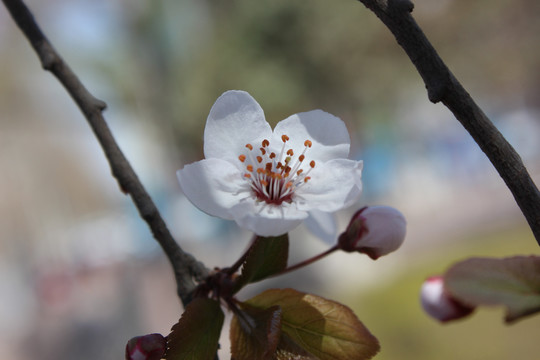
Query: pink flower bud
point(146, 347)
point(374, 231)
point(439, 304)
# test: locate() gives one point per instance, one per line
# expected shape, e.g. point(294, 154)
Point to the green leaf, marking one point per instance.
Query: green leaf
point(255, 333)
point(196, 335)
point(513, 282)
point(317, 328)
point(267, 256)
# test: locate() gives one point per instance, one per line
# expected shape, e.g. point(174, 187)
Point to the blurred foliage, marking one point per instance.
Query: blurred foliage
point(294, 56)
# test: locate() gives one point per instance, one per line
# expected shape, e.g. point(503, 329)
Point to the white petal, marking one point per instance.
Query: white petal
point(334, 185)
point(212, 185)
point(266, 220)
point(328, 134)
point(323, 225)
point(234, 120)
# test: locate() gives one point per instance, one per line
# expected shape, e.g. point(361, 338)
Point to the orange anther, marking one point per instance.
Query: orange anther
point(289, 184)
point(301, 158)
point(299, 172)
point(307, 178)
point(249, 146)
point(272, 155)
point(247, 175)
point(263, 151)
point(242, 158)
point(268, 166)
point(285, 138)
point(264, 182)
point(260, 170)
point(259, 159)
point(308, 143)
point(265, 143)
point(287, 170)
point(290, 152)
point(249, 168)
point(312, 163)
point(279, 165)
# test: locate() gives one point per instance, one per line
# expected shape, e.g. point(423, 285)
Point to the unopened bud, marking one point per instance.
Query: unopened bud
point(146, 347)
point(374, 231)
point(439, 304)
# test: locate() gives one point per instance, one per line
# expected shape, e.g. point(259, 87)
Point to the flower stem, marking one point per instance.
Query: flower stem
point(308, 261)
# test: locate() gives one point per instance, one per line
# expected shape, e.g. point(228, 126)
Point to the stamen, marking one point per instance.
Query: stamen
point(275, 177)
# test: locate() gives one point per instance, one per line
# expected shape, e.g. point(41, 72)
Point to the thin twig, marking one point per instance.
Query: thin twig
point(186, 267)
point(443, 87)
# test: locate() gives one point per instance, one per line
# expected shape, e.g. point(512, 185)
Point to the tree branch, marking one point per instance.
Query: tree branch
point(186, 267)
point(443, 87)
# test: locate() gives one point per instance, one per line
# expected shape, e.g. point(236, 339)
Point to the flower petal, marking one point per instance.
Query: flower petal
point(327, 133)
point(323, 225)
point(234, 120)
point(334, 185)
point(212, 185)
point(267, 220)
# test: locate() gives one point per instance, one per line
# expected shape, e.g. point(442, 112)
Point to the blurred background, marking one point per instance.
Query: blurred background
point(80, 273)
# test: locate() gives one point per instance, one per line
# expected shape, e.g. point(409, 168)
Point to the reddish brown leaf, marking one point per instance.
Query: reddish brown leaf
point(195, 336)
point(513, 282)
point(255, 333)
point(324, 329)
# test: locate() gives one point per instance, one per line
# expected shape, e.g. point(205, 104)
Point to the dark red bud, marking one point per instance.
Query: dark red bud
point(146, 347)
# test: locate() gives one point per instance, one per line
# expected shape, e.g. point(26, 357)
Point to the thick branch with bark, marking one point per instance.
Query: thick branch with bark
point(186, 267)
point(443, 87)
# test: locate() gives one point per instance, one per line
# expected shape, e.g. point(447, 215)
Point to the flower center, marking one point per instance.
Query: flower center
point(274, 179)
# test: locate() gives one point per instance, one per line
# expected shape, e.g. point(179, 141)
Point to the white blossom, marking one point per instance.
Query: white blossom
point(269, 181)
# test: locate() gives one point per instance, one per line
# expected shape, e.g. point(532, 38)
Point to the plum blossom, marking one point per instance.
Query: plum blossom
point(269, 181)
